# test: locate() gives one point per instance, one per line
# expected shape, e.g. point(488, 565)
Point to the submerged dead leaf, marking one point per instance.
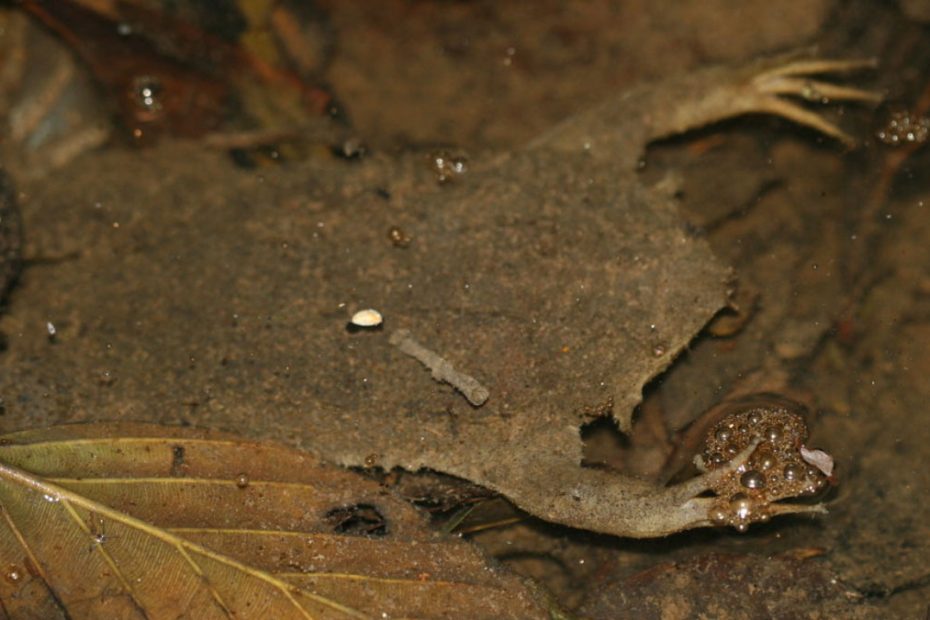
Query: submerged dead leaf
point(141, 521)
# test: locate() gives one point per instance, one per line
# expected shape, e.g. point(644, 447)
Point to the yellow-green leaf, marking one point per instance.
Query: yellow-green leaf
point(141, 521)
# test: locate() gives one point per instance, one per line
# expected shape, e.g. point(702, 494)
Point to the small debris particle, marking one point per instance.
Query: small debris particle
point(351, 148)
point(367, 318)
point(441, 369)
point(819, 459)
point(398, 237)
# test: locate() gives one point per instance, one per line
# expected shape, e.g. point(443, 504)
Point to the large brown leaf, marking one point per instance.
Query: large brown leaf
point(139, 521)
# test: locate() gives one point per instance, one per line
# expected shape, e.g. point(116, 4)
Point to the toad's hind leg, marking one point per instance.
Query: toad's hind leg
point(625, 125)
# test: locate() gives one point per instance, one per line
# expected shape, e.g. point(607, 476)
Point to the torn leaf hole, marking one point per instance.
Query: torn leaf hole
point(357, 520)
point(178, 465)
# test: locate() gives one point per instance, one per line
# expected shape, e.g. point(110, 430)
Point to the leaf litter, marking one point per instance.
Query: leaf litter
point(123, 520)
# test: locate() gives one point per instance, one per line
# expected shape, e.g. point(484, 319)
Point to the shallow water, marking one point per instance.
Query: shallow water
point(829, 247)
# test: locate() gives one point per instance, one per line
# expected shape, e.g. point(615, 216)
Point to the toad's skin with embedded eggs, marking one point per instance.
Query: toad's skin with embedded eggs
point(773, 431)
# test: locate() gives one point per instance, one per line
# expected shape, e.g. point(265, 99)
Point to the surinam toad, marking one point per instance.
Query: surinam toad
point(755, 458)
point(551, 276)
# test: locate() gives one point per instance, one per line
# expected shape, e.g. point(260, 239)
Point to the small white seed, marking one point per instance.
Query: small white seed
point(367, 318)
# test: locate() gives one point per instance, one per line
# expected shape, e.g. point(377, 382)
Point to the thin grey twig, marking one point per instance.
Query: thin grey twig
point(441, 370)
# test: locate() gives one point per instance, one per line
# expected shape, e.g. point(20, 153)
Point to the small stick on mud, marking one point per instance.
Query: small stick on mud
point(441, 370)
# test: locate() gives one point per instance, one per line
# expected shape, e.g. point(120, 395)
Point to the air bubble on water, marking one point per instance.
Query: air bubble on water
point(13, 573)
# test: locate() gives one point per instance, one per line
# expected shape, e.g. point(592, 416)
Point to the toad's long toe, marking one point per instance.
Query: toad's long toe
point(816, 66)
point(740, 511)
point(794, 79)
point(777, 509)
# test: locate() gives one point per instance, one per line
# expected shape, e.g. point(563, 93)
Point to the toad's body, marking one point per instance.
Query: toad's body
point(591, 159)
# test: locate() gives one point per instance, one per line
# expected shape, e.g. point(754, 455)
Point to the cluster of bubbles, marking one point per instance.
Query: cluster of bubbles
point(904, 127)
point(147, 92)
point(448, 166)
point(776, 468)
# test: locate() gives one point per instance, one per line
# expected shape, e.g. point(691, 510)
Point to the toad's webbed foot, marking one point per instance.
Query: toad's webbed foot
point(766, 90)
point(752, 458)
